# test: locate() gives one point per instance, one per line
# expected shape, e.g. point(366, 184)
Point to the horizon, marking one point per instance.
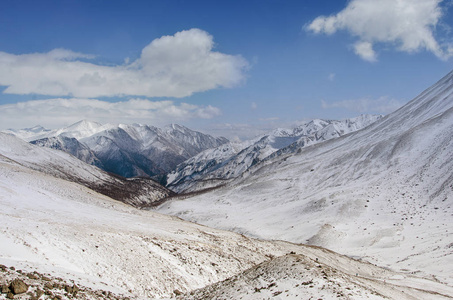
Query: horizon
point(172, 124)
point(229, 69)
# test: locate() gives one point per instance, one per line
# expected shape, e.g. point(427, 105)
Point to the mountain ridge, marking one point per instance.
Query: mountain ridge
point(230, 161)
point(134, 191)
point(128, 150)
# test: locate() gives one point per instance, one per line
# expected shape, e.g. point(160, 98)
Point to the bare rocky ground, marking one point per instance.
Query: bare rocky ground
point(17, 284)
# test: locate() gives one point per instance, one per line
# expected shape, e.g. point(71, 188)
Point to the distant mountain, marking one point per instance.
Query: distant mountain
point(230, 160)
point(126, 150)
point(383, 193)
point(134, 191)
point(71, 146)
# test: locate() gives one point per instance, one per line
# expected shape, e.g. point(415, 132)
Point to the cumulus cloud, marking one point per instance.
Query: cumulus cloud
point(408, 24)
point(54, 113)
point(365, 51)
point(382, 105)
point(170, 66)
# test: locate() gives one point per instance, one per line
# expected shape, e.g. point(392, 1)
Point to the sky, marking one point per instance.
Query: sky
point(229, 68)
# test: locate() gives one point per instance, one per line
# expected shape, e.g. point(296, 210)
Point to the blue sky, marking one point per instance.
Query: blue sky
point(232, 68)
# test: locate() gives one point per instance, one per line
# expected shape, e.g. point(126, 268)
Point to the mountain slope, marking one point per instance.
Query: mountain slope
point(71, 146)
point(300, 277)
point(217, 165)
point(126, 150)
point(135, 191)
point(54, 226)
point(384, 193)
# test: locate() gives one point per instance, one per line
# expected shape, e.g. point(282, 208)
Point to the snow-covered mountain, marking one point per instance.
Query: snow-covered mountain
point(384, 193)
point(77, 130)
point(215, 166)
point(134, 191)
point(127, 150)
point(72, 146)
point(62, 229)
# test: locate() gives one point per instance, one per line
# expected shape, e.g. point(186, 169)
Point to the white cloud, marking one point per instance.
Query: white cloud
point(54, 113)
point(408, 24)
point(365, 51)
point(170, 66)
point(254, 106)
point(382, 105)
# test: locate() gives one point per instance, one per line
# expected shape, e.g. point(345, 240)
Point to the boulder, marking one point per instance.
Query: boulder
point(18, 286)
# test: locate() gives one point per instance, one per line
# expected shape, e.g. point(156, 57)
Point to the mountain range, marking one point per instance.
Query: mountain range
point(127, 150)
point(179, 158)
point(230, 160)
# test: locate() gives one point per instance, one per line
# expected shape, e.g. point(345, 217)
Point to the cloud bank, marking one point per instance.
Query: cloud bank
point(55, 113)
point(170, 66)
point(409, 25)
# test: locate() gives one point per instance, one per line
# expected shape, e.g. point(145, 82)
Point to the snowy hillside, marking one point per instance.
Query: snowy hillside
point(71, 146)
point(79, 237)
point(214, 166)
point(136, 191)
point(127, 150)
point(384, 193)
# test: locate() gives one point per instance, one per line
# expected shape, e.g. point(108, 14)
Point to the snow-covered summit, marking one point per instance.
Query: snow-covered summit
point(81, 129)
point(213, 166)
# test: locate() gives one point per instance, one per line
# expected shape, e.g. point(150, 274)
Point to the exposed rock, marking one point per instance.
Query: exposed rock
point(32, 276)
point(177, 292)
point(18, 286)
point(49, 285)
point(4, 289)
point(39, 293)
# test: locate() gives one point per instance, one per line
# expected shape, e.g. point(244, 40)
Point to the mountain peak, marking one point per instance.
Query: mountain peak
point(84, 125)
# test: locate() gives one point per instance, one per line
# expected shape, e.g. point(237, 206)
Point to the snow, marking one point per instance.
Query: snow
point(300, 277)
point(54, 225)
point(58, 227)
point(232, 159)
point(383, 194)
point(65, 166)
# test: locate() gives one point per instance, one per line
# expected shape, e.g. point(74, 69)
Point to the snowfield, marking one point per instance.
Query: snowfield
point(58, 227)
point(383, 194)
